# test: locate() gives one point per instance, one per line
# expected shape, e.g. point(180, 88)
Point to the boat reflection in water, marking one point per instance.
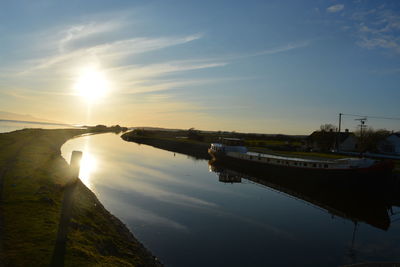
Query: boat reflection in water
point(359, 202)
point(347, 197)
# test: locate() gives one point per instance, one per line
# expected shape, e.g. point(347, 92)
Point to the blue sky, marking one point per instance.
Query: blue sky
point(254, 66)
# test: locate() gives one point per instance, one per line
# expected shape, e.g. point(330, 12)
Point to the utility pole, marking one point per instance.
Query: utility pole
point(362, 127)
point(338, 133)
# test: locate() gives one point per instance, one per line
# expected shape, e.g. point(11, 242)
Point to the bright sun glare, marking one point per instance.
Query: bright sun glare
point(87, 167)
point(91, 84)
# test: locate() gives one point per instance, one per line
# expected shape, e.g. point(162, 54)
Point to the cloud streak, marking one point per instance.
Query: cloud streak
point(82, 31)
point(109, 51)
point(284, 48)
point(127, 60)
point(377, 28)
point(335, 8)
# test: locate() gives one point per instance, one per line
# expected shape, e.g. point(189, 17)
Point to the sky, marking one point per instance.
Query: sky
point(248, 66)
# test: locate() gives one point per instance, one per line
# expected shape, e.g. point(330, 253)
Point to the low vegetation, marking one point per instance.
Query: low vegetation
point(272, 141)
point(33, 178)
point(103, 128)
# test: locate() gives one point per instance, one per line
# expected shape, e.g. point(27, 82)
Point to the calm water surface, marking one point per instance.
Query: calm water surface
point(181, 211)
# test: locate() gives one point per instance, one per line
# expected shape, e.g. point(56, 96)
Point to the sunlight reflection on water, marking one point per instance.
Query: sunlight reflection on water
point(90, 162)
point(88, 166)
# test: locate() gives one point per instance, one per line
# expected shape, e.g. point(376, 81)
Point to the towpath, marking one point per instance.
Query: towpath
point(65, 217)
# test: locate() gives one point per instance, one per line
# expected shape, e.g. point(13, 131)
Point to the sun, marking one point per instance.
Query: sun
point(91, 84)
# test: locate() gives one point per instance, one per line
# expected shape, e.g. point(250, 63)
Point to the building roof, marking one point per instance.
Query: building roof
point(318, 135)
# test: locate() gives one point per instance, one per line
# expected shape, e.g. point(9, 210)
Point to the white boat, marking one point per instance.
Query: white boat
point(237, 152)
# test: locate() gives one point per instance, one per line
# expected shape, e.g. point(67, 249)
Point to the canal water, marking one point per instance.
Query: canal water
point(191, 214)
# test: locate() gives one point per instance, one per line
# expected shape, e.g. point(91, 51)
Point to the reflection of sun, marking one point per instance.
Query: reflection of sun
point(88, 166)
point(91, 84)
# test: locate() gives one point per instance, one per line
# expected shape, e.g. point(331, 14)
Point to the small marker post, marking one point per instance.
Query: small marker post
point(75, 163)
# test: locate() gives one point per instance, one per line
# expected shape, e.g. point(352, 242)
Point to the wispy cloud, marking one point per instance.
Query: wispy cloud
point(66, 58)
point(82, 31)
point(284, 48)
point(378, 28)
point(335, 8)
point(155, 84)
point(269, 51)
point(67, 55)
point(109, 51)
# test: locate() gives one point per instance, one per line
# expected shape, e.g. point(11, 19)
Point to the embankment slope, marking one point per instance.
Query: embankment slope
point(187, 147)
point(33, 180)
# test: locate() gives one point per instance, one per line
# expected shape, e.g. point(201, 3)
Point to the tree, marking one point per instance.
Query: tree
point(328, 128)
point(139, 132)
point(193, 134)
point(370, 138)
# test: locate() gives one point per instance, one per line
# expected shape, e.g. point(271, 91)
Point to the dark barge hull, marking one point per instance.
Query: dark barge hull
point(378, 173)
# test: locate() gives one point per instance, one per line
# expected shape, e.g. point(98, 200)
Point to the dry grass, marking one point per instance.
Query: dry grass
point(33, 184)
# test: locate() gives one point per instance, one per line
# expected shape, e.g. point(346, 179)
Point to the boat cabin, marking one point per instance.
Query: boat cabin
point(229, 145)
point(232, 141)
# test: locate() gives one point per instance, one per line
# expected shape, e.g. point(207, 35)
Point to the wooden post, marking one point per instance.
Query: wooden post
point(57, 259)
point(75, 163)
point(338, 133)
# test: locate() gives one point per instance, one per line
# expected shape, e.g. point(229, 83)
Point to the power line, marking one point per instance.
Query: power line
point(372, 117)
point(362, 119)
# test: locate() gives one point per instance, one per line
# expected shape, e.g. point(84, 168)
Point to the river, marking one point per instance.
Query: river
point(189, 214)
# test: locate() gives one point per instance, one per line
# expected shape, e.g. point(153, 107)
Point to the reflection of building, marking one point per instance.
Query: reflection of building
point(225, 177)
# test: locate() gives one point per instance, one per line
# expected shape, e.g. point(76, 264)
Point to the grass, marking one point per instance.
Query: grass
point(33, 176)
point(397, 166)
point(270, 143)
point(312, 154)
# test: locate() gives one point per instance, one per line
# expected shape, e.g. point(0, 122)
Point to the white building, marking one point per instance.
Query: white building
point(391, 144)
point(349, 143)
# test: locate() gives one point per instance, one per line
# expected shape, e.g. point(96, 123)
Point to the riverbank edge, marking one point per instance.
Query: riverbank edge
point(194, 149)
point(87, 212)
point(199, 150)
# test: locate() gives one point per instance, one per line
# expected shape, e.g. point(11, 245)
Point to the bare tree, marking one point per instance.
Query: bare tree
point(328, 128)
point(370, 138)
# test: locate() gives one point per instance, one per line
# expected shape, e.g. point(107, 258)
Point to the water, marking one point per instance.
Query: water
point(186, 216)
point(9, 126)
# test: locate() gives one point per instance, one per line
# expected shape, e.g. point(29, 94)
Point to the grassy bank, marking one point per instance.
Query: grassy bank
point(33, 180)
point(189, 147)
point(197, 144)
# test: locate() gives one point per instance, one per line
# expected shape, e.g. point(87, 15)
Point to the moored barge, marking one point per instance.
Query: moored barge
point(234, 151)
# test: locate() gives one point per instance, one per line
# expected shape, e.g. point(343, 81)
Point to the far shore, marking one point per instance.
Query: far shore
point(196, 145)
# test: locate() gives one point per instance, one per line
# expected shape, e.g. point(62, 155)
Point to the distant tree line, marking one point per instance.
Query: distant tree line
point(103, 128)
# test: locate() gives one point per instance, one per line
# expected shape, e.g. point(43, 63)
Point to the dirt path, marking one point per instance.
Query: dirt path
point(66, 212)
